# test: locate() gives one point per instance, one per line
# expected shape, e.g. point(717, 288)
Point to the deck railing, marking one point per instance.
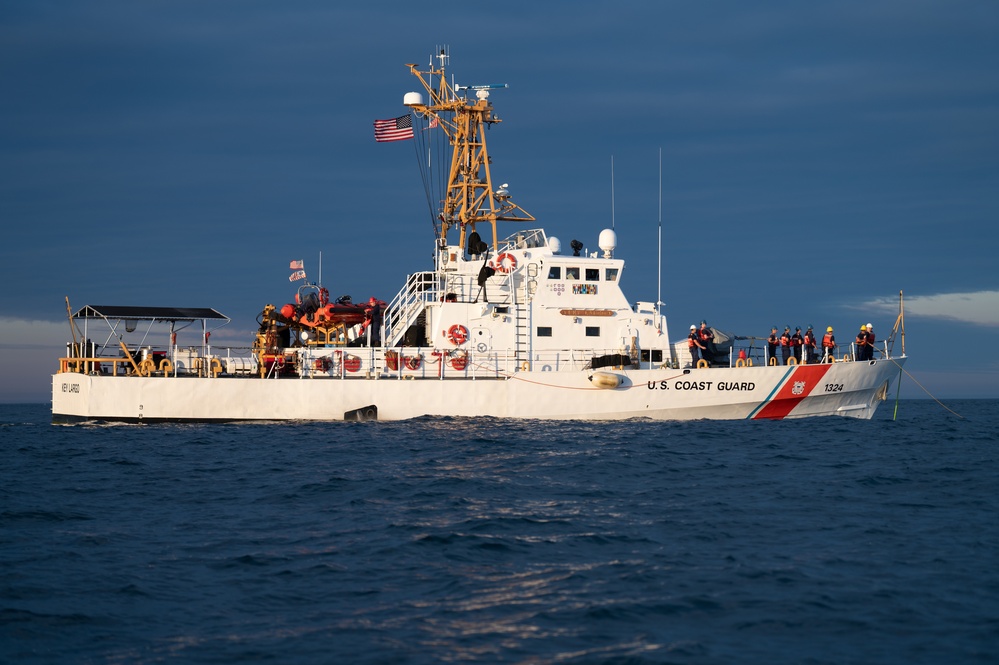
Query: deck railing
point(405, 362)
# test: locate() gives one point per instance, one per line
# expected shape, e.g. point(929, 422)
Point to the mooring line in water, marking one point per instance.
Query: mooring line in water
point(902, 369)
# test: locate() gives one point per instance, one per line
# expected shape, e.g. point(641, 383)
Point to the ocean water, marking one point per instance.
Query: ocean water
point(489, 541)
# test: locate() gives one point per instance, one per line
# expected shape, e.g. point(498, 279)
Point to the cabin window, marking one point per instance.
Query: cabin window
point(544, 331)
point(654, 355)
point(593, 274)
point(611, 275)
point(572, 273)
point(593, 331)
point(555, 272)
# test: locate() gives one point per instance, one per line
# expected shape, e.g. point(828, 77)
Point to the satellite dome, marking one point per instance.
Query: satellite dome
point(607, 242)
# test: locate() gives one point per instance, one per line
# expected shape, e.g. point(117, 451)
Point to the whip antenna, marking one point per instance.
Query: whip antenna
point(612, 191)
point(659, 261)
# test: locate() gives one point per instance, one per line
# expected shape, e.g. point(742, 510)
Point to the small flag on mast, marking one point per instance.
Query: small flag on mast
point(296, 276)
point(396, 129)
point(297, 265)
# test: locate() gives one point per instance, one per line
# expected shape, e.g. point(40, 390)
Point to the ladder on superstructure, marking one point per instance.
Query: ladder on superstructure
point(522, 299)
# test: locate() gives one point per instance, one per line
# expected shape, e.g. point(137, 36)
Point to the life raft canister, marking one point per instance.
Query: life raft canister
point(505, 263)
point(457, 334)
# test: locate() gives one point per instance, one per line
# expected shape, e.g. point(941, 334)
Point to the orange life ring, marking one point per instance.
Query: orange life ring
point(412, 362)
point(505, 263)
point(457, 334)
point(459, 360)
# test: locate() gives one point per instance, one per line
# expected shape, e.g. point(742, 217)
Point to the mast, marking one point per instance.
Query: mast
point(470, 197)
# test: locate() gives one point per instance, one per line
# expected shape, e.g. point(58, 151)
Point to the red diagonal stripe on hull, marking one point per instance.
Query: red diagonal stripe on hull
point(785, 400)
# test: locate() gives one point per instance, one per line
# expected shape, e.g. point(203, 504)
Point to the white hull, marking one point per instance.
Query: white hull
point(852, 389)
point(501, 327)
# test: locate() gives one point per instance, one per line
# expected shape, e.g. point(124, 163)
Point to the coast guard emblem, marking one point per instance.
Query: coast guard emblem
point(799, 387)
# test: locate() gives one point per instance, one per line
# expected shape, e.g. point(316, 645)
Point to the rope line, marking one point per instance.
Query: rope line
point(903, 370)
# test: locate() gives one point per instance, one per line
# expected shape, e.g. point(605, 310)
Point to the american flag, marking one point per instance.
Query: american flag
point(297, 265)
point(396, 129)
point(295, 276)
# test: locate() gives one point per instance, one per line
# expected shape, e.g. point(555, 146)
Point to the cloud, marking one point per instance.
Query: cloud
point(978, 308)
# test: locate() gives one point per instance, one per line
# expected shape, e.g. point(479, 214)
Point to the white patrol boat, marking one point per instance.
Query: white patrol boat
point(505, 325)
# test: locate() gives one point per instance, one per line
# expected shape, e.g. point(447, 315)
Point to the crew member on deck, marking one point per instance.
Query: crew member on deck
point(373, 321)
point(785, 344)
point(772, 343)
point(707, 341)
point(796, 343)
point(810, 354)
point(861, 343)
point(829, 345)
point(694, 343)
point(870, 341)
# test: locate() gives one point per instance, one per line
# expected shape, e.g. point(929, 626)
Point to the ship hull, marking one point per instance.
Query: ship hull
point(851, 389)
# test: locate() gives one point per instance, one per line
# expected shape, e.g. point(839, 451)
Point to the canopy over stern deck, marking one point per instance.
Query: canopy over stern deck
point(143, 313)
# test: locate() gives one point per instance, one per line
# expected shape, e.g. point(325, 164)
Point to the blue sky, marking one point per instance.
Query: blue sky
point(817, 158)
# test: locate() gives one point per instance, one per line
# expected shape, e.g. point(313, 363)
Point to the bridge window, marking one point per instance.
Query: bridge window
point(611, 275)
point(572, 273)
point(555, 272)
point(593, 331)
point(593, 274)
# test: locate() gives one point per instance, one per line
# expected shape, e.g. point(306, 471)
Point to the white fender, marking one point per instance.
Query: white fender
point(605, 380)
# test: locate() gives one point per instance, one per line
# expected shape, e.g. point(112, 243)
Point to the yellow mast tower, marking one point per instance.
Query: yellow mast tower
point(470, 197)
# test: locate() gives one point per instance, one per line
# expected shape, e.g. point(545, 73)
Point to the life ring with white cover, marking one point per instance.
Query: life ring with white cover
point(457, 334)
point(505, 263)
point(459, 359)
